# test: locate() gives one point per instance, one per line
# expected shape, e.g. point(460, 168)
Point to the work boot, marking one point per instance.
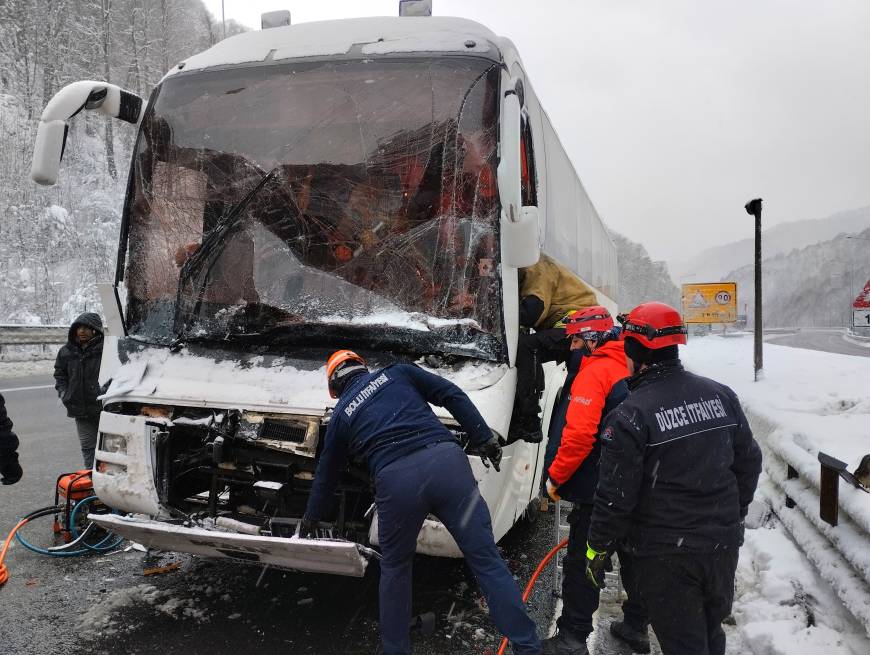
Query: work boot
point(565, 643)
point(637, 639)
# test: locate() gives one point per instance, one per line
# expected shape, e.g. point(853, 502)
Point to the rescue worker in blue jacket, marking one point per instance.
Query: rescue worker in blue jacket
point(678, 469)
point(419, 468)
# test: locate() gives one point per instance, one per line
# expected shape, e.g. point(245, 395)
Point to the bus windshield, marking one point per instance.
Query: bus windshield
point(292, 200)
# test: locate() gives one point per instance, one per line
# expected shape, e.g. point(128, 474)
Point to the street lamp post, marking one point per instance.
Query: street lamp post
point(753, 208)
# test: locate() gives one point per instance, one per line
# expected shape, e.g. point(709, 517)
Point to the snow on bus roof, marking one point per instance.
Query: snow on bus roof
point(336, 37)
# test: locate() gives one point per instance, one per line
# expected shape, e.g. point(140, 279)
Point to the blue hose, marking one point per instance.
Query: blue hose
point(98, 547)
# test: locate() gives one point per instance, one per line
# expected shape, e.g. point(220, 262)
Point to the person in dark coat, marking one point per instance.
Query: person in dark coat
point(595, 386)
point(10, 469)
point(678, 469)
point(384, 418)
point(549, 291)
point(76, 373)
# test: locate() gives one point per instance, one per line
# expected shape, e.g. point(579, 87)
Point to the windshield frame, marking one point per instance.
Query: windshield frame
point(499, 352)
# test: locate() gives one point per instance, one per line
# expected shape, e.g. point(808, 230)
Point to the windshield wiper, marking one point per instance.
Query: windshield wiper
point(211, 245)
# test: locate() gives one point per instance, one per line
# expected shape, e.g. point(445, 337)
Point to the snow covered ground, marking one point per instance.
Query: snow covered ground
point(25, 368)
point(807, 401)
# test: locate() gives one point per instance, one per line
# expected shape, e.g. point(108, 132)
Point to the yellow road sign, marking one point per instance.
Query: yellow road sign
point(710, 302)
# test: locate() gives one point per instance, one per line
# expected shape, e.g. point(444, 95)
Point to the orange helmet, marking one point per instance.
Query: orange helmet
point(337, 367)
point(654, 325)
point(593, 321)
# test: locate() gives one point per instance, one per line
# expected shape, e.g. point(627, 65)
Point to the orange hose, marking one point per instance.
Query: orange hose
point(533, 580)
point(4, 572)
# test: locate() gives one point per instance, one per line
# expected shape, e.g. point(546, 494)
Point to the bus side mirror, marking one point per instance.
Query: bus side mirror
point(66, 103)
point(47, 151)
point(520, 247)
point(519, 225)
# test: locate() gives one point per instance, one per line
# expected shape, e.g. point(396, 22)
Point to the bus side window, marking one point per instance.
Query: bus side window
point(527, 165)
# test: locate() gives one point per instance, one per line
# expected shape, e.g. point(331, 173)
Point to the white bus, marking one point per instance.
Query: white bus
point(372, 184)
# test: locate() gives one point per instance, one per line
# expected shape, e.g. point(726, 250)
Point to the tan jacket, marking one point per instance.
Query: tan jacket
point(558, 288)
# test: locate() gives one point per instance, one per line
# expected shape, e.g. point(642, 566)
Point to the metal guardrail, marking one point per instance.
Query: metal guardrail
point(32, 335)
point(841, 552)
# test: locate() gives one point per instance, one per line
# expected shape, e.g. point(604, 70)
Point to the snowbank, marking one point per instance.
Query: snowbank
point(781, 605)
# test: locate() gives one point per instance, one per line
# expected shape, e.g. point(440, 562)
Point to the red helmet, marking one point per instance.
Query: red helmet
point(589, 322)
point(655, 325)
point(337, 367)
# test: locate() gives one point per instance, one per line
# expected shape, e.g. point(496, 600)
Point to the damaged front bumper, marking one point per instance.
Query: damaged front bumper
point(336, 557)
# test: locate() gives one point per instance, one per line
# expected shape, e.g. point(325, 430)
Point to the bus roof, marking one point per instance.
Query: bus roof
point(372, 36)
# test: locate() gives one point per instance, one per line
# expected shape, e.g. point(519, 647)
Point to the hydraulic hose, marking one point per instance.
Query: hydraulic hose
point(100, 547)
point(531, 584)
point(4, 572)
point(61, 551)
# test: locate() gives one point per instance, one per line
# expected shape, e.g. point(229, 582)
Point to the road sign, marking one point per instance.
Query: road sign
point(710, 302)
point(861, 318)
point(862, 300)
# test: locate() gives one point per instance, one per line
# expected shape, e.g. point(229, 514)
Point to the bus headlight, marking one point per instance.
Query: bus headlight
point(113, 443)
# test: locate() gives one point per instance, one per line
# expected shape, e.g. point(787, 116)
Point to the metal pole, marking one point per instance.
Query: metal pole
point(753, 207)
point(223, 19)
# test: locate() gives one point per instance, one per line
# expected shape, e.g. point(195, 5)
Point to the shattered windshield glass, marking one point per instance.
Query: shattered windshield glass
point(294, 200)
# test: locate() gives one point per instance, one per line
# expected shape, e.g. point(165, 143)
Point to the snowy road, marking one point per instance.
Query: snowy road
point(830, 341)
point(105, 604)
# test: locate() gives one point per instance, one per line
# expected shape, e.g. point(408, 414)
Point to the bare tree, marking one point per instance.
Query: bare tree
point(106, 6)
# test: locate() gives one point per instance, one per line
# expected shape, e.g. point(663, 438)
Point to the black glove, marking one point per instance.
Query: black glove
point(491, 451)
point(596, 565)
point(10, 469)
point(531, 308)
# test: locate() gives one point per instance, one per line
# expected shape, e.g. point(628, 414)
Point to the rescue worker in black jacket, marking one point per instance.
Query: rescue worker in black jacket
point(76, 373)
point(678, 469)
point(10, 469)
point(419, 468)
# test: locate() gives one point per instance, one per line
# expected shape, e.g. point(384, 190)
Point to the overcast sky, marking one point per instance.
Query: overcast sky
point(676, 112)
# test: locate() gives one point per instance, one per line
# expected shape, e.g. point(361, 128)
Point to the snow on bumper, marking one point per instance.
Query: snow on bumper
point(311, 555)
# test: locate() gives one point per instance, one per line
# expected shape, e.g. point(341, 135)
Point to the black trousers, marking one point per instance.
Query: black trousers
point(634, 612)
point(688, 596)
point(579, 596)
point(532, 351)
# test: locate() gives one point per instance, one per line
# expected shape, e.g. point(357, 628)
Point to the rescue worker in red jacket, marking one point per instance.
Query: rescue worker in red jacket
point(599, 386)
